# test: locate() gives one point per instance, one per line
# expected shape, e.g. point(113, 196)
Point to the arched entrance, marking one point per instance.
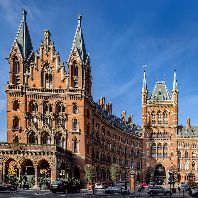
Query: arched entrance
point(11, 171)
point(159, 174)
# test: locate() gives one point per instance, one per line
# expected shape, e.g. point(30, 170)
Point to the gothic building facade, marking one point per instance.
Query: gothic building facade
point(53, 124)
point(169, 149)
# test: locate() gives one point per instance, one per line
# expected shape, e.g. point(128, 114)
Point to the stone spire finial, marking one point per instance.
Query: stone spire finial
point(23, 37)
point(144, 86)
point(175, 82)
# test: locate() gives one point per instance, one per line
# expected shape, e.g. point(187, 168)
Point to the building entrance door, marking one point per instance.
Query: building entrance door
point(159, 174)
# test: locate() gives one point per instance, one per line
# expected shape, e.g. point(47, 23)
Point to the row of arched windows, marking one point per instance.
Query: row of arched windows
point(186, 167)
point(159, 135)
point(159, 150)
point(186, 154)
point(186, 145)
point(159, 118)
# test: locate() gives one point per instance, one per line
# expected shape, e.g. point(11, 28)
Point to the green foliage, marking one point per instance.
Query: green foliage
point(90, 172)
point(115, 172)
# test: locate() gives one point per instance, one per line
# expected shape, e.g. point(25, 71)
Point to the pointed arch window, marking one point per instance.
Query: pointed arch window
point(165, 150)
point(33, 107)
point(32, 139)
point(15, 106)
point(75, 125)
point(15, 71)
point(153, 118)
point(159, 118)
point(76, 145)
point(15, 124)
point(186, 154)
point(165, 118)
point(193, 165)
point(75, 70)
point(75, 108)
point(194, 155)
point(16, 139)
point(179, 154)
point(153, 150)
point(186, 166)
point(45, 138)
point(159, 150)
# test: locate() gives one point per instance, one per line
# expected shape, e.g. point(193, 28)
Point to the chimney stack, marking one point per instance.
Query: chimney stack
point(123, 115)
point(102, 102)
point(108, 107)
point(188, 123)
point(130, 120)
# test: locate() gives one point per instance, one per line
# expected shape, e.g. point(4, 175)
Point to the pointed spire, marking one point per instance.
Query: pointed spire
point(175, 82)
point(144, 86)
point(78, 41)
point(23, 37)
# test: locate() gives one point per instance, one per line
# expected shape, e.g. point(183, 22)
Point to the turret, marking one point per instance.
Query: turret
point(144, 89)
point(21, 53)
point(79, 64)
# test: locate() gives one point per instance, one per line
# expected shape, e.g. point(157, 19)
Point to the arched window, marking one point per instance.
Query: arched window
point(186, 154)
point(186, 166)
point(159, 118)
point(165, 118)
point(193, 165)
point(58, 139)
point(15, 71)
point(153, 118)
point(75, 70)
point(47, 108)
point(16, 139)
point(15, 106)
point(48, 81)
point(75, 108)
point(165, 150)
point(45, 138)
point(15, 124)
point(159, 150)
point(75, 125)
point(76, 145)
point(194, 154)
point(32, 139)
point(179, 154)
point(153, 150)
point(33, 107)
point(60, 108)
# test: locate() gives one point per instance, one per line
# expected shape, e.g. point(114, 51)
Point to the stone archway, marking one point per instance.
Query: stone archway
point(10, 170)
point(159, 174)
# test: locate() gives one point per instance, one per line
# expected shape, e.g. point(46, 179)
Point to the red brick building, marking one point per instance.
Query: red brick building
point(53, 122)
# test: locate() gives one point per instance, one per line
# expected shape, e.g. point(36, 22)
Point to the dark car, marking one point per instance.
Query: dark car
point(9, 187)
point(194, 191)
point(58, 186)
point(154, 190)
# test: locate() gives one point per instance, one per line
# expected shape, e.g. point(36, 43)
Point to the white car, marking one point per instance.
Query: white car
point(99, 185)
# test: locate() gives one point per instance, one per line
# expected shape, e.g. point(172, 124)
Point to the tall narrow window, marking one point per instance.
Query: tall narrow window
point(15, 123)
point(153, 118)
point(16, 140)
point(153, 150)
point(165, 150)
point(159, 150)
point(165, 118)
point(159, 118)
point(75, 125)
point(15, 105)
point(75, 108)
point(76, 70)
point(76, 145)
point(186, 154)
point(15, 71)
point(48, 80)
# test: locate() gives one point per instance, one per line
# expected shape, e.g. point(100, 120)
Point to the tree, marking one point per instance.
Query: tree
point(149, 174)
point(115, 172)
point(90, 172)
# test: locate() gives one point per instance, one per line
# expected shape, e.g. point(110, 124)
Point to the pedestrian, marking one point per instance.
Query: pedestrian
point(179, 189)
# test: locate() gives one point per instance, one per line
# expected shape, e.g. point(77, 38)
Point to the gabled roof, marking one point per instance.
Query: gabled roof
point(160, 91)
point(23, 38)
point(78, 41)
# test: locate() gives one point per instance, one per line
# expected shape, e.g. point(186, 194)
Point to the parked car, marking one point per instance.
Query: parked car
point(100, 185)
point(154, 190)
point(184, 187)
point(9, 187)
point(113, 190)
point(194, 191)
point(58, 186)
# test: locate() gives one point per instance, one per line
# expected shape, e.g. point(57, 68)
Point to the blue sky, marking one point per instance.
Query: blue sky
point(120, 36)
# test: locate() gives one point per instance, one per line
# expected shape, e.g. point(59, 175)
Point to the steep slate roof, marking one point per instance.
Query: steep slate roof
point(183, 131)
point(23, 38)
point(78, 41)
point(160, 91)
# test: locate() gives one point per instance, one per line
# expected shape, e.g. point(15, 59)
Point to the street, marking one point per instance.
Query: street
point(48, 194)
